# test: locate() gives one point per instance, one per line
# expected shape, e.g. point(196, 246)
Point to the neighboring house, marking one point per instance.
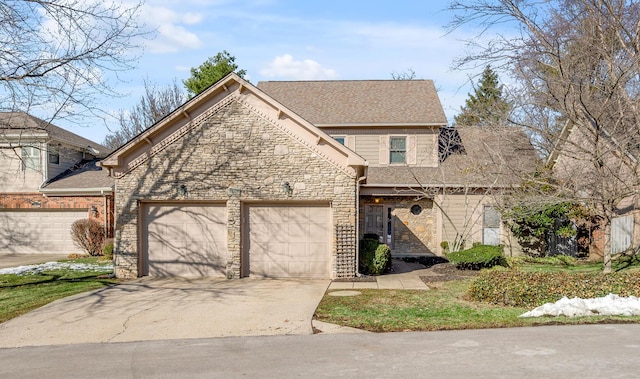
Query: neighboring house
point(48, 179)
point(577, 152)
point(243, 181)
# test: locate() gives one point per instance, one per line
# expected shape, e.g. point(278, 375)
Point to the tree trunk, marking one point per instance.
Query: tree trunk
point(607, 246)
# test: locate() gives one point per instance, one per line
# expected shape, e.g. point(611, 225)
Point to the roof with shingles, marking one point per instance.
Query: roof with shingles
point(360, 102)
point(488, 157)
point(20, 122)
point(84, 175)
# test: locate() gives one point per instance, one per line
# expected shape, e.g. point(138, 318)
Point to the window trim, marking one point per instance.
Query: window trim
point(33, 160)
point(341, 136)
point(53, 153)
point(404, 152)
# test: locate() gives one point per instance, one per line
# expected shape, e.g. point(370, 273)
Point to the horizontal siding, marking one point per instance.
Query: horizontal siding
point(427, 150)
point(461, 210)
point(368, 147)
point(68, 158)
point(13, 178)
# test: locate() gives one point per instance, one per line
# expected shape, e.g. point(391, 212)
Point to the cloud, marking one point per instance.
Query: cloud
point(172, 32)
point(286, 67)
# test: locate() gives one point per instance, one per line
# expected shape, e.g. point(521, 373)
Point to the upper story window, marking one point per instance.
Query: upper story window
point(397, 149)
point(54, 156)
point(339, 139)
point(30, 158)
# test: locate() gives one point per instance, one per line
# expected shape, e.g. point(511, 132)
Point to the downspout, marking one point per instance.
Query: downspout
point(360, 179)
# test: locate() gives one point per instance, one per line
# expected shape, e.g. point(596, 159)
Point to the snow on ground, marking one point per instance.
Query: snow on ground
point(610, 305)
point(36, 269)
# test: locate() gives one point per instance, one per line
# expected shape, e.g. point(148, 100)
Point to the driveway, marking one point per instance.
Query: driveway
point(14, 260)
point(157, 309)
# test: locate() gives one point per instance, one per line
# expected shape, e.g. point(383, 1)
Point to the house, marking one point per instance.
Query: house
point(48, 179)
point(281, 180)
point(426, 184)
point(599, 168)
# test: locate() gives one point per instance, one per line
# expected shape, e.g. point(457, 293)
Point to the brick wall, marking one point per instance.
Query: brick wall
point(235, 156)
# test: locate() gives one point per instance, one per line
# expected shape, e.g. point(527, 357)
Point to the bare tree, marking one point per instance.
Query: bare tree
point(577, 67)
point(405, 75)
point(54, 54)
point(155, 104)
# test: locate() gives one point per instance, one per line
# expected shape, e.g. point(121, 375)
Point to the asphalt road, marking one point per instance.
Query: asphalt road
point(595, 351)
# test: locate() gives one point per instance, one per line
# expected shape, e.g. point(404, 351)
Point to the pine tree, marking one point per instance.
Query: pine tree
point(486, 106)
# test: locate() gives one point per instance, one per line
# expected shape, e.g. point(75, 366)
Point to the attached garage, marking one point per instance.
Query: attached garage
point(288, 241)
point(234, 184)
point(185, 239)
point(38, 231)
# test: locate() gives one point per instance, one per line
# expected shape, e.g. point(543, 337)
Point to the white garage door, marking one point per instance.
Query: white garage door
point(185, 240)
point(289, 241)
point(38, 231)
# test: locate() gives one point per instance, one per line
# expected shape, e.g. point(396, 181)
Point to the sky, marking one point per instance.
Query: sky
point(296, 40)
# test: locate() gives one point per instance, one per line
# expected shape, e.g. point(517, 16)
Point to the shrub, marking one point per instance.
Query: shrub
point(532, 289)
point(478, 257)
point(88, 234)
point(374, 257)
point(107, 249)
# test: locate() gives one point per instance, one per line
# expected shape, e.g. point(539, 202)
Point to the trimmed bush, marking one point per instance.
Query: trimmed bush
point(88, 234)
point(374, 257)
point(532, 289)
point(107, 249)
point(478, 257)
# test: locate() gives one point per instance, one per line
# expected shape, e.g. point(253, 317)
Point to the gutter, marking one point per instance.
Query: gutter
point(76, 191)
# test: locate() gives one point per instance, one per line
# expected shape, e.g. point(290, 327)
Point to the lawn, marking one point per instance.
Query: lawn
point(445, 306)
point(21, 293)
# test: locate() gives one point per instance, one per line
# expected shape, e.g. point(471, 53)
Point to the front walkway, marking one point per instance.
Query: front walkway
point(405, 275)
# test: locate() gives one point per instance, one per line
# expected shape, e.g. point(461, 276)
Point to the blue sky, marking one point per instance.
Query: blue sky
point(297, 40)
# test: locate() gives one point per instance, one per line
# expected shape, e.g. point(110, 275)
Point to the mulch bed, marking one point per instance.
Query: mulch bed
point(444, 272)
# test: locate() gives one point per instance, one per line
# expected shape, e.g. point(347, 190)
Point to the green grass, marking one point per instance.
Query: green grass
point(20, 294)
point(444, 307)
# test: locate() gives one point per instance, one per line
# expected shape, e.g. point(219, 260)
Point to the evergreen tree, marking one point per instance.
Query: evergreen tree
point(486, 106)
point(209, 72)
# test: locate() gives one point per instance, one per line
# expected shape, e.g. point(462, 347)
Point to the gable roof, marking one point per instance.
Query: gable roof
point(472, 157)
point(195, 111)
point(17, 124)
point(360, 102)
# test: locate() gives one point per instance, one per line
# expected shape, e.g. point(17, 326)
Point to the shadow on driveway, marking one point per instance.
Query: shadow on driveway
point(171, 308)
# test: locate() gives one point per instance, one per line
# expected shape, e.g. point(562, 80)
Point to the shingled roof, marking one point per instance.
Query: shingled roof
point(488, 157)
point(84, 175)
point(22, 123)
point(360, 102)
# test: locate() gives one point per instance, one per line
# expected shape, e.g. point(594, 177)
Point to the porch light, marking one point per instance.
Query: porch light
point(182, 190)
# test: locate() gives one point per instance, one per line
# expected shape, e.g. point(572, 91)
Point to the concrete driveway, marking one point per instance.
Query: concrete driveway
point(157, 309)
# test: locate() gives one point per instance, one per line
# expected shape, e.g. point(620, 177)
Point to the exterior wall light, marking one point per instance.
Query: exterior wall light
point(94, 211)
point(287, 188)
point(182, 190)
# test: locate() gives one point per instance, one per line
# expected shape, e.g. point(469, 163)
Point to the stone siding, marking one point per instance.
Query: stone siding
point(413, 234)
point(233, 156)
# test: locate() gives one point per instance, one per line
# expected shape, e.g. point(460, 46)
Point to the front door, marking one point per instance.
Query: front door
point(378, 221)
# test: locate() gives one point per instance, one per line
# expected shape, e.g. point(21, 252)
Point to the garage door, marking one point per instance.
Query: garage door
point(38, 231)
point(185, 240)
point(288, 241)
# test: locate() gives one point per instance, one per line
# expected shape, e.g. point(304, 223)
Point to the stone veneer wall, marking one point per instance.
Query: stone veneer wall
point(234, 156)
point(412, 234)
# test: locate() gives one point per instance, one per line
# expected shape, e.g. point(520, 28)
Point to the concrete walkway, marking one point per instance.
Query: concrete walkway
point(404, 276)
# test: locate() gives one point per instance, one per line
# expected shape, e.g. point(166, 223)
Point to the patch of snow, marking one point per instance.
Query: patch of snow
point(610, 305)
point(36, 269)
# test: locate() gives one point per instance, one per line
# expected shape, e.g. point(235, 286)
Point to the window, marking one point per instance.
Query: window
point(398, 149)
point(54, 156)
point(30, 158)
point(491, 226)
point(339, 139)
